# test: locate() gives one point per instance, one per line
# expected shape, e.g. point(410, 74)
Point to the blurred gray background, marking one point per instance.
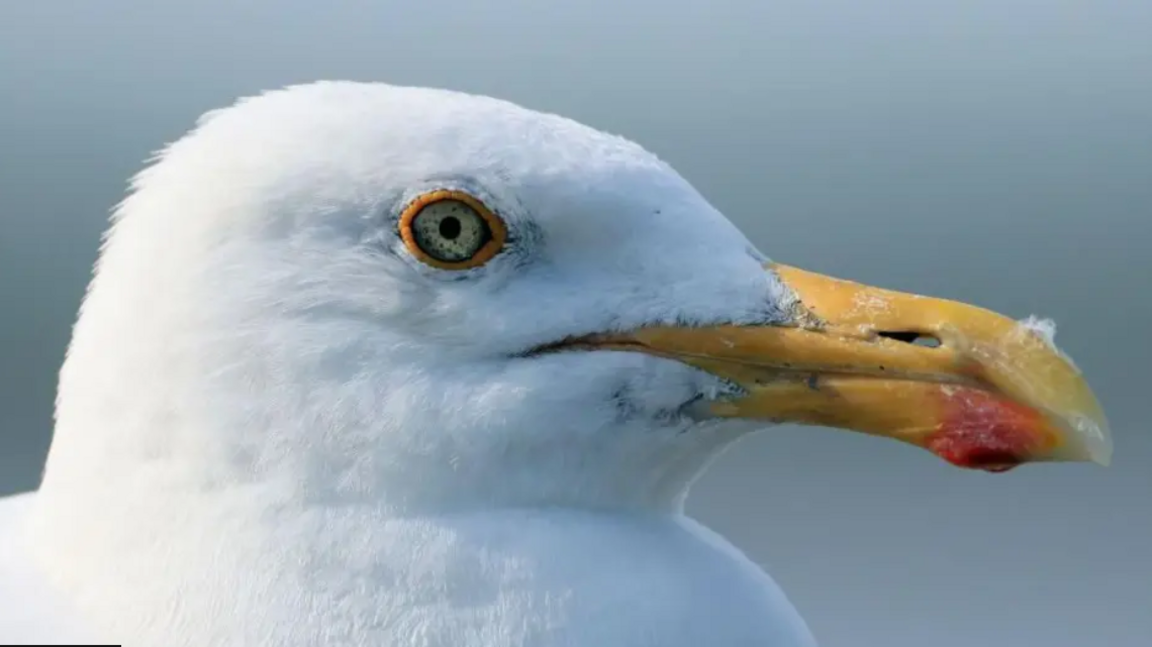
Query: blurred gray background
point(994, 151)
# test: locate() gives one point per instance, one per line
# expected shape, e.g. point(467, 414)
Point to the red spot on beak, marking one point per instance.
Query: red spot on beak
point(981, 430)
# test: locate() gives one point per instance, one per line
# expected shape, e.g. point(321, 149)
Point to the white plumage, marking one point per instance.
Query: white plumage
point(276, 427)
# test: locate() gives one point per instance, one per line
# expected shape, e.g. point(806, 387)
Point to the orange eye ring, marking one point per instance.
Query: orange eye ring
point(496, 231)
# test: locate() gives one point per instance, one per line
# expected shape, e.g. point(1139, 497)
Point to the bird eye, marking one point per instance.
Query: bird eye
point(451, 230)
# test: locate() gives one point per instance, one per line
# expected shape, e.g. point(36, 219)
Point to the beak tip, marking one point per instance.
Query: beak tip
point(1094, 439)
point(1102, 455)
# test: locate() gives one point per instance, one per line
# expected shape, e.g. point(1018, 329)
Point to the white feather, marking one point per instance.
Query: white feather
point(275, 427)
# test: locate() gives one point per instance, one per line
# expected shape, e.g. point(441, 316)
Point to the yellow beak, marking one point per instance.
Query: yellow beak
point(976, 388)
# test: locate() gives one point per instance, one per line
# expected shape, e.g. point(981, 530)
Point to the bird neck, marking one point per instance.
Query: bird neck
point(353, 575)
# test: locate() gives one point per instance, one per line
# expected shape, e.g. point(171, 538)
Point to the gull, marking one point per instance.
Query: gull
point(367, 365)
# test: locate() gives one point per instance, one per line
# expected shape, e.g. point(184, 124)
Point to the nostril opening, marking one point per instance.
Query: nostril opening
point(914, 338)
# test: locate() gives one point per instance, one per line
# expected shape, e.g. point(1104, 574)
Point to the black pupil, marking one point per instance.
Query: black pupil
point(450, 227)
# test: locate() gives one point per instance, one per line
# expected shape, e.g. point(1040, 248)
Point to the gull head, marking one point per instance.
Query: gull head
point(365, 364)
point(429, 300)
